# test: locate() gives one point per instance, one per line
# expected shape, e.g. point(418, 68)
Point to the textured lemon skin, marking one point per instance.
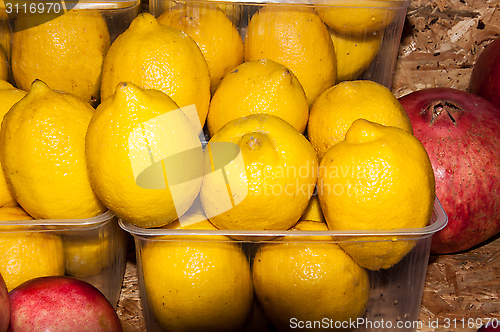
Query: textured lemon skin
point(42, 148)
point(271, 186)
point(297, 38)
point(333, 113)
point(8, 96)
point(309, 281)
point(379, 177)
point(67, 53)
point(27, 255)
point(198, 283)
point(110, 160)
point(156, 56)
point(260, 86)
point(214, 33)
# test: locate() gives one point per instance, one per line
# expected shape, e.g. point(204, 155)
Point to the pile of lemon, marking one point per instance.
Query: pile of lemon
point(294, 142)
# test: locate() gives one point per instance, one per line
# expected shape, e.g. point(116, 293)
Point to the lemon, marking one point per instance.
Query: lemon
point(67, 52)
point(214, 33)
point(309, 281)
point(5, 32)
point(260, 86)
point(135, 145)
point(199, 285)
point(42, 148)
point(358, 16)
point(85, 255)
point(336, 109)
point(8, 97)
point(268, 183)
point(5, 85)
point(193, 215)
point(378, 177)
point(156, 56)
point(27, 255)
point(354, 53)
point(297, 38)
point(313, 211)
point(4, 65)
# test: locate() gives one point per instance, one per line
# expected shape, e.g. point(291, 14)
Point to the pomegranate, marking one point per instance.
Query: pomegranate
point(485, 76)
point(460, 133)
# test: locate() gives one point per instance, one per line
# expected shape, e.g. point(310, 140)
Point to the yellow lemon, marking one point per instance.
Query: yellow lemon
point(193, 215)
point(144, 156)
point(354, 53)
point(67, 53)
point(42, 149)
point(378, 177)
point(309, 281)
point(4, 65)
point(358, 16)
point(84, 255)
point(313, 211)
point(5, 31)
point(8, 97)
point(268, 180)
point(336, 109)
point(27, 255)
point(214, 33)
point(260, 86)
point(200, 285)
point(156, 56)
point(5, 85)
point(298, 39)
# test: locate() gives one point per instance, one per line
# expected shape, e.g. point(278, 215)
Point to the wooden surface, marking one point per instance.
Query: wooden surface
point(440, 43)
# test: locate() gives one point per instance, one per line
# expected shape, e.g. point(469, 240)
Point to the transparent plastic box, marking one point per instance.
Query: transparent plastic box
point(94, 249)
point(376, 24)
point(394, 294)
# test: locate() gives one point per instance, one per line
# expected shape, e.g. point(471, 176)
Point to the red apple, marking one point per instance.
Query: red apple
point(4, 306)
point(460, 133)
point(485, 76)
point(59, 303)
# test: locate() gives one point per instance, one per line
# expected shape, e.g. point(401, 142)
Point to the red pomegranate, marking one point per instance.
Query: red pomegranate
point(460, 132)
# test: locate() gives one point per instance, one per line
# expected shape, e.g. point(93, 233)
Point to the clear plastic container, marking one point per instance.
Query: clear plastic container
point(394, 294)
point(94, 249)
point(366, 38)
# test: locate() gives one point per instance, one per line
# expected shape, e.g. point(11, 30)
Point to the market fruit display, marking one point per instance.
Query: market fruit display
point(204, 124)
point(4, 306)
point(60, 304)
point(370, 174)
point(485, 76)
point(459, 130)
